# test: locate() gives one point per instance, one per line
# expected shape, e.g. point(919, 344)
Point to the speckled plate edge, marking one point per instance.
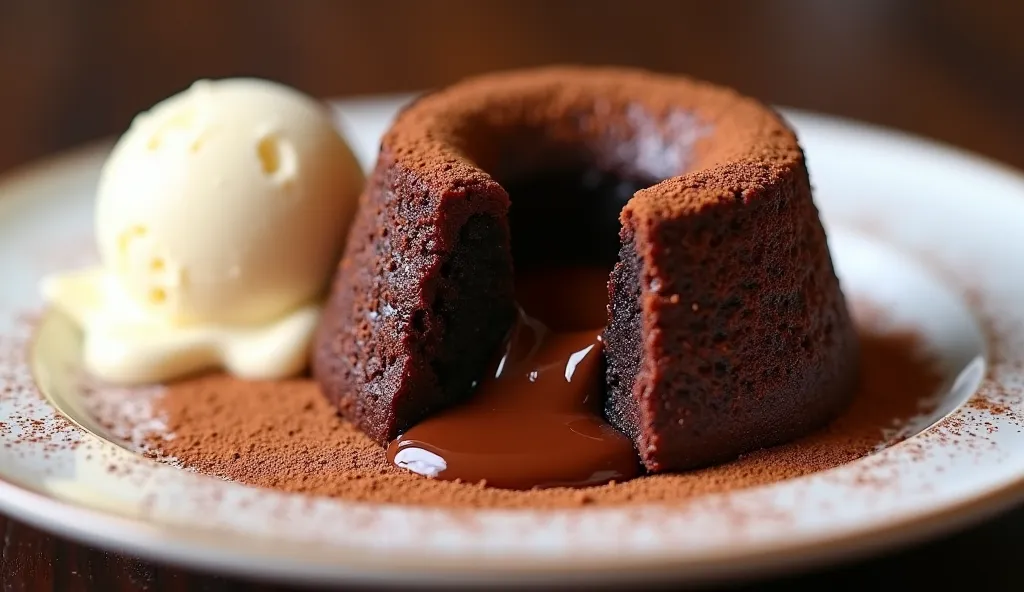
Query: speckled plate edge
point(918, 504)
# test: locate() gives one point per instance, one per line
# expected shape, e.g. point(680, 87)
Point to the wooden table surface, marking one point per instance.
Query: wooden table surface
point(950, 69)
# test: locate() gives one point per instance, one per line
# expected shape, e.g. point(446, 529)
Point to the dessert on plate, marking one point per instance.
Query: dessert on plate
point(556, 277)
point(725, 327)
point(219, 215)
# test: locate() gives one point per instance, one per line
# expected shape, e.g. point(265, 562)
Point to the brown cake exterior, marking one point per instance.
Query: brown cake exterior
point(727, 328)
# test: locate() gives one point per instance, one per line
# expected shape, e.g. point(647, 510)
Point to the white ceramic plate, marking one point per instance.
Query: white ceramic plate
point(935, 235)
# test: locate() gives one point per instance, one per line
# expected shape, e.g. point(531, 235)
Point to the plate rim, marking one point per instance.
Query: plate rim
point(47, 513)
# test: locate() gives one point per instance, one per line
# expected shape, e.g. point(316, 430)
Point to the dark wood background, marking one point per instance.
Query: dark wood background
point(952, 69)
point(71, 71)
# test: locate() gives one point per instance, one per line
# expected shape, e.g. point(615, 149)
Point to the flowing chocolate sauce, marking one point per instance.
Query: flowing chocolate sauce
point(536, 420)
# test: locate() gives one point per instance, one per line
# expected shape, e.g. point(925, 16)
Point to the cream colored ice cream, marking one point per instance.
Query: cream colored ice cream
point(220, 215)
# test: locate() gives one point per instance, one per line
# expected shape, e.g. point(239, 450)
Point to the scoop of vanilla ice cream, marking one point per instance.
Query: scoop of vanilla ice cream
point(226, 204)
point(220, 215)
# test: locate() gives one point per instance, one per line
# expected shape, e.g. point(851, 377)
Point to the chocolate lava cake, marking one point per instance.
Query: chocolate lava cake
point(727, 330)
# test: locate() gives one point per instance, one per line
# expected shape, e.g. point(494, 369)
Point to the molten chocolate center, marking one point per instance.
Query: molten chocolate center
point(535, 421)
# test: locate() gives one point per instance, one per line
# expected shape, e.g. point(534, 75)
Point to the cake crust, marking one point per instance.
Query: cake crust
point(727, 327)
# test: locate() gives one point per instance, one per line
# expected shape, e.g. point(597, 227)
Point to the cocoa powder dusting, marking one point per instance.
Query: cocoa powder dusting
point(284, 435)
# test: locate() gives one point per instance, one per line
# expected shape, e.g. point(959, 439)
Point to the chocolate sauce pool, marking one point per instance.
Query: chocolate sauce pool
point(536, 420)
